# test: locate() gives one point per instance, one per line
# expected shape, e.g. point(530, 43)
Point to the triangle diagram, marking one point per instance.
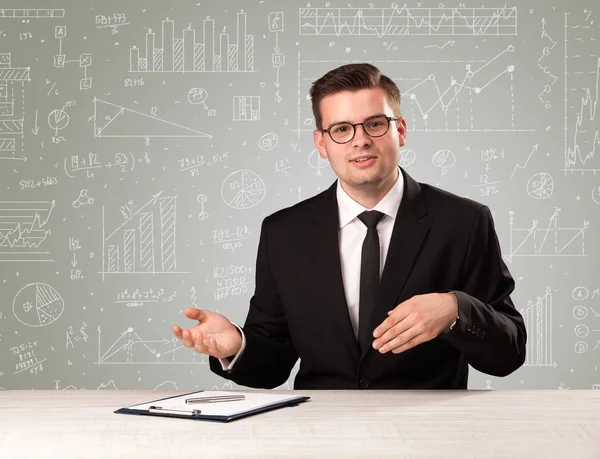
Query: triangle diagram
point(111, 120)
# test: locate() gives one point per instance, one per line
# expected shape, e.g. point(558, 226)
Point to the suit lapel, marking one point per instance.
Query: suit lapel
point(327, 259)
point(408, 235)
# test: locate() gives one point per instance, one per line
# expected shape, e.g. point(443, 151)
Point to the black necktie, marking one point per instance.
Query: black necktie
point(369, 277)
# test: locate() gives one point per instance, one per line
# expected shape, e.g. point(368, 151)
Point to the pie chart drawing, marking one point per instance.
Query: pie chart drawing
point(38, 305)
point(243, 189)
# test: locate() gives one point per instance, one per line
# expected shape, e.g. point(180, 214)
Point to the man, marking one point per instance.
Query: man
point(379, 282)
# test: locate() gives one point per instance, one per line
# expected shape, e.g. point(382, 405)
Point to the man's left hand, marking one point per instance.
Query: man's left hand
point(415, 321)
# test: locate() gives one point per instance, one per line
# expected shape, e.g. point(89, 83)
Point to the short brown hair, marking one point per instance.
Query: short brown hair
point(352, 77)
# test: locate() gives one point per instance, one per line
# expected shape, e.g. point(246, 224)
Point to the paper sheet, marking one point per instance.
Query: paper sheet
point(251, 402)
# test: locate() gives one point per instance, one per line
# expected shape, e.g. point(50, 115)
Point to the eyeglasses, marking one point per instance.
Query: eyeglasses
point(376, 126)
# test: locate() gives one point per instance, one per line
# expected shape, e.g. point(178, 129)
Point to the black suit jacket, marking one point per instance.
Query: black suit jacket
point(440, 242)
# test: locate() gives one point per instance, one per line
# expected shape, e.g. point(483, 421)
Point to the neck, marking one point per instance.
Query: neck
point(371, 194)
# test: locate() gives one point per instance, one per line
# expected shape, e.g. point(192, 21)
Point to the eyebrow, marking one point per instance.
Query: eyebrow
point(367, 118)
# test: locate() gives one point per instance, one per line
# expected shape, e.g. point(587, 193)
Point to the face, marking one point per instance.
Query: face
point(379, 171)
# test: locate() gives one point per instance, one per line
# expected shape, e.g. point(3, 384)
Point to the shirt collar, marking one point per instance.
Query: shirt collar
point(349, 209)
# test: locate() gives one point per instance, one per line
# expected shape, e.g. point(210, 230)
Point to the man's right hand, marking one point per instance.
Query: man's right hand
point(214, 335)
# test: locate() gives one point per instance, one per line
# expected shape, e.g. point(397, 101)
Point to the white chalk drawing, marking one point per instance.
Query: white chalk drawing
point(243, 189)
point(246, 108)
point(186, 54)
point(317, 162)
point(37, 305)
point(58, 120)
point(596, 194)
point(443, 159)
point(12, 109)
point(540, 186)
point(60, 59)
point(268, 141)
point(83, 199)
point(407, 157)
point(547, 240)
point(202, 199)
point(111, 120)
point(399, 21)
point(131, 349)
point(538, 322)
point(145, 243)
point(24, 230)
point(582, 87)
point(277, 57)
point(524, 166)
point(31, 13)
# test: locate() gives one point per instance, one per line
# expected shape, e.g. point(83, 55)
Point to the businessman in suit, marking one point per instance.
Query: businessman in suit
point(380, 281)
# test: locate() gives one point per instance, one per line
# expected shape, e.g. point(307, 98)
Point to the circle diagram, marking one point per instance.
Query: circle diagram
point(407, 157)
point(38, 305)
point(540, 186)
point(243, 189)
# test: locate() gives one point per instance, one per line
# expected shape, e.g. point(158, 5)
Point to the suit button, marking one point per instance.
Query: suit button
point(363, 383)
point(482, 334)
point(469, 326)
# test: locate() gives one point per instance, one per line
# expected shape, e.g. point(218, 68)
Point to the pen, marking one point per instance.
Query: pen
point(215, 399)
point(158, 409)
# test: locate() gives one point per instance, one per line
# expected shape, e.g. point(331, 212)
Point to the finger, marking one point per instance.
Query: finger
point(195, 314)
point(409, 344)
point(188, 341)
point(393, 333)
point(394, 317)
point(200, 343)
point(399, 340)
point(177, 330)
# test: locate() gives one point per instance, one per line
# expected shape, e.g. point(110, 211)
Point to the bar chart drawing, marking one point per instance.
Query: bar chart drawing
point(538, 322)
point(246, 108)
point(168, 53)
point(112, 120)
point(12, 108)
point(145, 243)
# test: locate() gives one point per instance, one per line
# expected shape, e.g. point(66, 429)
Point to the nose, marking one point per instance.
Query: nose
point(361, 138)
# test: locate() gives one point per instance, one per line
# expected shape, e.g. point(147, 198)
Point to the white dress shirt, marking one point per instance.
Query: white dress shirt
point(352, 232)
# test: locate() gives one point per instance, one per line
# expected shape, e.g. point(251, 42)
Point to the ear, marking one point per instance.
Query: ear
point(319, 143)
point(401, 123)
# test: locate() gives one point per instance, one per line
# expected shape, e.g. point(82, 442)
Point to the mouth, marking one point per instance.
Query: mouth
point(363, 160)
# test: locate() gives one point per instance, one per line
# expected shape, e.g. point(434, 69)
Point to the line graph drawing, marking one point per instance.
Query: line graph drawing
point(538, 321)
point(38, 305)
point(550, 240)
point(131, 349)
point(112, 120)
point(23, 230)
point(582, 132)
point(454, 96)
point(185, 54)
point(408, 21)
point(145, 243)
point(12, 109)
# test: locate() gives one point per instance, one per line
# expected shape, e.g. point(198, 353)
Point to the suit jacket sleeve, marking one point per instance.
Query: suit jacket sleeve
point(490, 332)
point(269, 356)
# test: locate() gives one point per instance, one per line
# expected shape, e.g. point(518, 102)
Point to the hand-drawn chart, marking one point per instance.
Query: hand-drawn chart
point(538, 322)
point(185, 54)
point(243, 190)
point(24, 230)
point(12, 108)
point(112, 120)
point(38, 305)
point(145, 243)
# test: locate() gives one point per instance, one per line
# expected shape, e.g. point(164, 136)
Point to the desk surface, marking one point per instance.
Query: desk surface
point(348, 424)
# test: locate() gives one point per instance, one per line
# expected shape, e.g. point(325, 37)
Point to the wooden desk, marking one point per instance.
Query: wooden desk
point(345, 424)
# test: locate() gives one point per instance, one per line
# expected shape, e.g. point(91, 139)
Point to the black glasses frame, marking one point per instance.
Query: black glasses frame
point(388, 118)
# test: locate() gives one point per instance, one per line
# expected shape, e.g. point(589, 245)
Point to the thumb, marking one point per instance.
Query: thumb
point(196, 314)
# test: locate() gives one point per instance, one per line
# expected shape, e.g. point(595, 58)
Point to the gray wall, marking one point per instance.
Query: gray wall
point(129, 193)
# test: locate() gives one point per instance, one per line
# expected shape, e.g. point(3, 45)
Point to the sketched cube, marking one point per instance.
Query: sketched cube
point(85, 60)
point(278, 59)
point(59, 61)
point(85, 83)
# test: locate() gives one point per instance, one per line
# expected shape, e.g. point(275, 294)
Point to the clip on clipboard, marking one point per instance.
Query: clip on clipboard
point(230, 405)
